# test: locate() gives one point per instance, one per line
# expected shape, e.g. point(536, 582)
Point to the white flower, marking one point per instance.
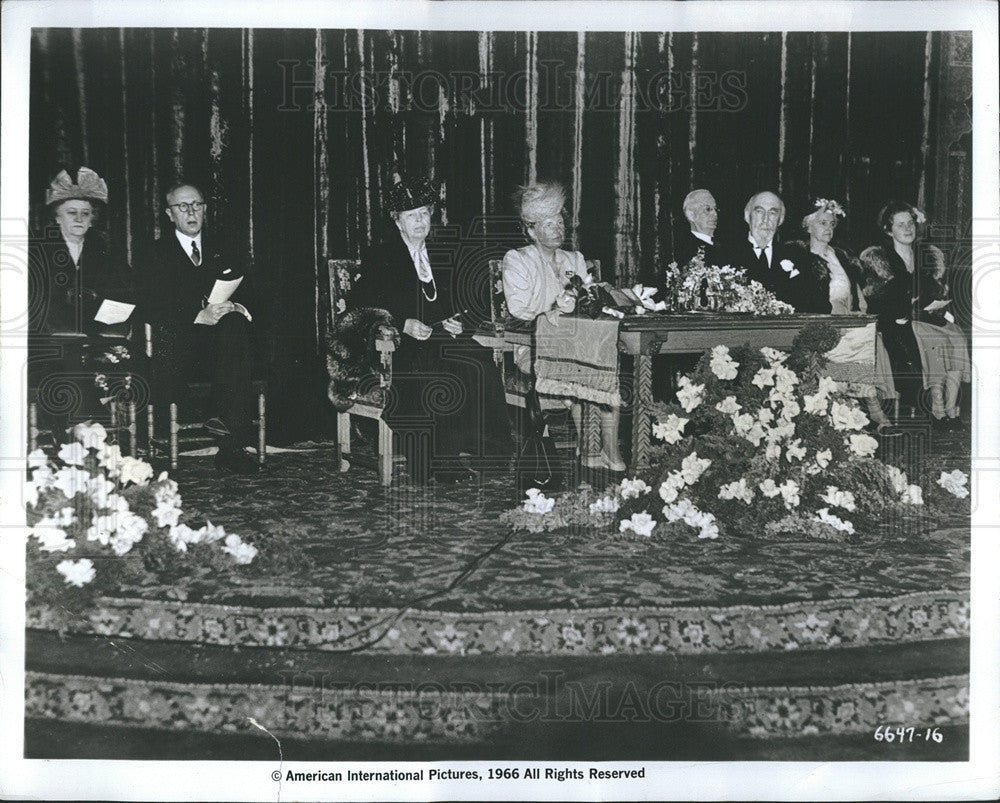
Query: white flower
point(784, 429)
point(37, 459)
point(823, 458)
point(763, 378)
point(708, 527)
point(742, 423)
point(898, 479)
point(683, 510)
point(824, 515)
point(99, 488)
point(77, 572)
point(772, 451)
point(795, 450)
point(640, 523)
point(670, 487)
point(242, 553)
point(670, 430)
point(181, 535)
point(90, 434)
point(537, 502)
point(834, 497)
point(692, 467)
point(211, 533)
point(789, 409)
point(166, 515)
point(768, 488)
point(134, 470)
point(116, 503)
point(633, 489)
point(51, 538)
point(129, 532)
point(737, 490)
point(815, 404)
point(954, 483)
point(913, 495)
point(765, 416)
point(773, 356)
point(109, 455)
point(790, 493)
point(689, 395)
point(729, 406)
point(70, 480)
point(826, 386)
point(605, 504)
point(723, 365)
point(102, 528)
point(73, 454)
point(844, 416)
point(863, 445)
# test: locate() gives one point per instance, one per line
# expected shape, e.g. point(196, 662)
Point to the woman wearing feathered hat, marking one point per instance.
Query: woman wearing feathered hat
point(448, 404)
point(72, 271)
point(72, 268)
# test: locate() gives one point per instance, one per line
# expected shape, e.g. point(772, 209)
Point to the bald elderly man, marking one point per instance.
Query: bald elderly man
point(765, 258)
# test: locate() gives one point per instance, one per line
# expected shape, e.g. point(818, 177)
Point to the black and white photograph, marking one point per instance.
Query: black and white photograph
point(481, 400)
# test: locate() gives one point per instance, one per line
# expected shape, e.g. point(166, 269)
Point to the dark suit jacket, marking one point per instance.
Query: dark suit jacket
point(687, 245)
point(173, 290)
point(65, 297)
point(798, 290)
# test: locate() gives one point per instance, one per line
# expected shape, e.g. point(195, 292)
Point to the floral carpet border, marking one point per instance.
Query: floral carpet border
point(445, 716)
point(813, 624)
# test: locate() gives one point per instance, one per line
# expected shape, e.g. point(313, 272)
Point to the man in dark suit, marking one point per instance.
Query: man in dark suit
point(765, 258)
point(177, 277)
point(703, 217)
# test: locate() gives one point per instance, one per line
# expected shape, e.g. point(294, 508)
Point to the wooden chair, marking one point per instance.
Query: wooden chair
point(195, 433)
point(370, 403)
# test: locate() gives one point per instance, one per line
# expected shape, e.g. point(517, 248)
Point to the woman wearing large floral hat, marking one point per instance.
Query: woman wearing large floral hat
point(72, 271)
point(447, 406)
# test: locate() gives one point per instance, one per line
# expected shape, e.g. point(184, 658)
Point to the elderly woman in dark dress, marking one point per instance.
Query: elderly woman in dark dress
point(447, 404)
point(906, 286)
point(73, 271)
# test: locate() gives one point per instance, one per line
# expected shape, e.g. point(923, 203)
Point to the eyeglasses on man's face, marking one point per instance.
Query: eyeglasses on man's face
point(194, 206)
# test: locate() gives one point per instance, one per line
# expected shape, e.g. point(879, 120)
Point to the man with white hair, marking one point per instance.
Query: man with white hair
point(702, 216)
point(764, 257)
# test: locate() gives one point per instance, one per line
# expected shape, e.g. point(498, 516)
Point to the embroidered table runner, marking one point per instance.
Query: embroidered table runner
point(577, 358)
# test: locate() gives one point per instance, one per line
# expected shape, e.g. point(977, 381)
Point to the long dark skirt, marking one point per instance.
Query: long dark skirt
point(447, 400)
point(904, 357)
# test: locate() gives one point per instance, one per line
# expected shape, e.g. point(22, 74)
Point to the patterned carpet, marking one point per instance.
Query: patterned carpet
point(370, 546)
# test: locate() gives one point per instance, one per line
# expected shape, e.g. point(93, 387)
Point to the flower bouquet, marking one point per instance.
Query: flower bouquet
point(698, 286)
point(759, 441)
point(98, 520)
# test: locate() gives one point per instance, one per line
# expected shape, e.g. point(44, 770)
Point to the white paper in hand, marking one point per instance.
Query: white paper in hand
point(221, 291)
point(936, 305)
point(113, 311)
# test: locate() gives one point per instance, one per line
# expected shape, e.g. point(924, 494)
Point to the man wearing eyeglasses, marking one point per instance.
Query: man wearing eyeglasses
point(196, 336)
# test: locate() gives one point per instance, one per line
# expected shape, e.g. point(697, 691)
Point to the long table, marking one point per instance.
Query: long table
point(645, 336)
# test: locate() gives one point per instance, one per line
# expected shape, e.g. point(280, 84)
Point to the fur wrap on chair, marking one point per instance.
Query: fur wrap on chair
point(350, 352)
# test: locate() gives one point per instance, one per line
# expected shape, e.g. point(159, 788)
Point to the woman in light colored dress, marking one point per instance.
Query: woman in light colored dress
point(536, 281)
point(906, 286)
point(858, 361)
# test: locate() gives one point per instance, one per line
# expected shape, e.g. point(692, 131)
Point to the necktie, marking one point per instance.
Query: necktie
point(762, 260)
point(195, 253)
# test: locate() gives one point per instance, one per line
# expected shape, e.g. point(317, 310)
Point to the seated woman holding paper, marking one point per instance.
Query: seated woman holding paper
point(858, 361)
point(537, 282)
point(80, 301)
point(906, 286)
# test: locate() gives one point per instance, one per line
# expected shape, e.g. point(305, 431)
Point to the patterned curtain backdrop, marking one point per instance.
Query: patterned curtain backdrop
point(295, 134)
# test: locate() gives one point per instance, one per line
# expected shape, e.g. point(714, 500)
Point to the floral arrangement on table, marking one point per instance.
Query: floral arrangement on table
point(759, 441)
point(697, 286)
point(98, 520)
